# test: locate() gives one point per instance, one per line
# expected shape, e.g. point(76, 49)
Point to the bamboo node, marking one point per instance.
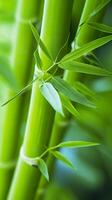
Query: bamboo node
point(32, 161)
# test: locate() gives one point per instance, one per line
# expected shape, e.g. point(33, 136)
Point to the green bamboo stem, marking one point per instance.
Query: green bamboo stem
point(21, 62)
point(54, 33)
point(76, 14)
point(60, 123)
point(85, 33)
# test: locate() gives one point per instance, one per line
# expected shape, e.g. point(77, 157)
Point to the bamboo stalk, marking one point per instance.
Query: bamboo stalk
point(85, 33)
point(76, 14)
point(60, 122)
point(55, 28)
point(21, 62)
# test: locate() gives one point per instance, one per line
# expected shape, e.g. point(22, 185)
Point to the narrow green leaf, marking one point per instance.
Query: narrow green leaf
point(64, 88)
point(84, 89)
point(69, 106)
point(77, 144)
point(52, 96)
point(22, 91)
point(62, 158)
point(86, 48)
point(100, 27)
point(102, 4)
point(98, 8)
point(43, 168)
point(95, 59)
point(92, 59)
point(7, 73)
point(37, 59)
point(85, 68)
point(25, 89)
point(39, 41)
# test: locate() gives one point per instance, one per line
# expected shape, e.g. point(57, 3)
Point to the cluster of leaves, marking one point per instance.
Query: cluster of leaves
point(100, 6)
point(40, 163)
point(57, 91)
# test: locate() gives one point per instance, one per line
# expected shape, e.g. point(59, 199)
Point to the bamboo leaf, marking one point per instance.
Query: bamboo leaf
point(84, 89)
point(37, 59)
point(101, 5)
point(85, 68)
point(97, 9)
point(43, 168)
point(22, 91)
point(69, 106)
point(39, 41)
point(100, 27)
point(86, 48)
point(25, 89)
point(92, 59)
point(52, 96)
point(77, 144)
point(62, 158)
point(64, 88)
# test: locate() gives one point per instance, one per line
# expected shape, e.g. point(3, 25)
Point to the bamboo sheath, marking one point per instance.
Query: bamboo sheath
point(21, 62)
point(54, 33)
point(85, 35)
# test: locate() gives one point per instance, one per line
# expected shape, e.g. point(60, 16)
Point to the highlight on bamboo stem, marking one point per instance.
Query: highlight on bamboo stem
point(60, 75)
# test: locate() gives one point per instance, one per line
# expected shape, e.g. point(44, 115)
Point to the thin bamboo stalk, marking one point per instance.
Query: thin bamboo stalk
point(21, 62)
point(60, 123)
point(54, 33)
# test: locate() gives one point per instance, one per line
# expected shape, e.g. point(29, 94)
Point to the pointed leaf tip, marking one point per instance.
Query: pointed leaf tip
point(100, 27)
point(43, 168)
point(39, 41)
point(69, 106)
point(85, 68)
point(77, 144)
point(62, 158)
point(63, 87)
point(86, 48)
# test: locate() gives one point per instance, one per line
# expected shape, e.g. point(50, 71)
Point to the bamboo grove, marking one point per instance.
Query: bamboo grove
point(53, 54)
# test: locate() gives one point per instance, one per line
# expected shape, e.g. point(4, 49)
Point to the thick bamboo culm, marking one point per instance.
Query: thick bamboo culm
point(21, 62)
point(54, 33)
point(86, 34)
